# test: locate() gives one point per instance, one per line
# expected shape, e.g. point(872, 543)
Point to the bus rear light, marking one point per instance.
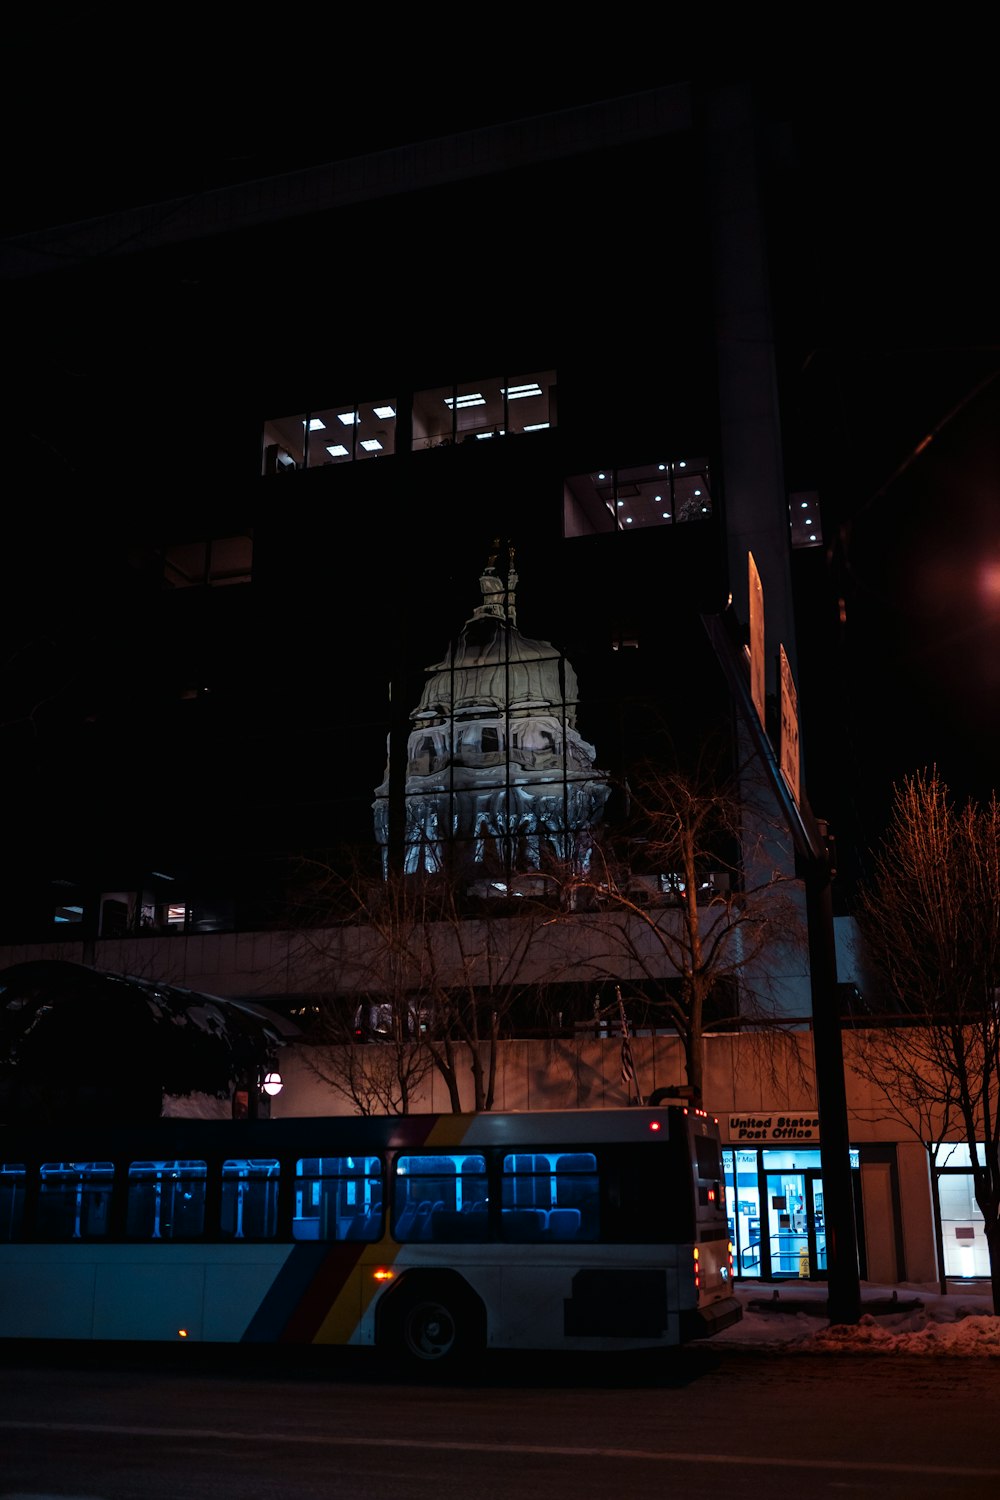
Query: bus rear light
point(182, 1333)
point(383, 1273)
point(654, 1124)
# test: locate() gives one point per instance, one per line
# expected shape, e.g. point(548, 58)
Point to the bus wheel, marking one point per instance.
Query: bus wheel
point(435, 1328)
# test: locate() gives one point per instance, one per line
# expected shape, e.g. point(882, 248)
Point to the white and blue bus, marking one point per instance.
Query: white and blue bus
point(431, 1237)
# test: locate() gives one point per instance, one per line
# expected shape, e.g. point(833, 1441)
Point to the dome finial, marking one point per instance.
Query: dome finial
point(498, 593)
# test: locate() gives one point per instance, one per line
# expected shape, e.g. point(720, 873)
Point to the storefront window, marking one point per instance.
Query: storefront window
point(775, 1205)
point(965, 1253)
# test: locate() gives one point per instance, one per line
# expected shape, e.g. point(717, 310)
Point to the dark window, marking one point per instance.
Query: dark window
point(166, 1200)
point(12, 1182)
point(249, 1199)
point(224, 560)
point(74, 1200)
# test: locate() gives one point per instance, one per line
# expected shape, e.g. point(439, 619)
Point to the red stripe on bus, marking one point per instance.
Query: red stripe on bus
point(321, 1293)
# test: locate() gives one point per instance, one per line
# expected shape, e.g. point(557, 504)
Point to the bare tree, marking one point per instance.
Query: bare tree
point(412, 966)
point(377, 1080)
point(690, 902)
point(930, 917)
point(351, 925)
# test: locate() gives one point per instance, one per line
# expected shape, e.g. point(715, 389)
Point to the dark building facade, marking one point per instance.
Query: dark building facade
point(264, 445)
point(219, 589)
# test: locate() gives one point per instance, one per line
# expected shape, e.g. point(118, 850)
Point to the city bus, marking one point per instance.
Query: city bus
point(429, 1237)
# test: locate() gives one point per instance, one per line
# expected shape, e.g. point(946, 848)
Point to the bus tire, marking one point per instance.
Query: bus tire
point(434, 1325)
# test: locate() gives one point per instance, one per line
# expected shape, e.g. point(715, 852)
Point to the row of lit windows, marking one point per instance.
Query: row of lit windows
point(471, 412)
point(544, 1197)
point(440, 1197)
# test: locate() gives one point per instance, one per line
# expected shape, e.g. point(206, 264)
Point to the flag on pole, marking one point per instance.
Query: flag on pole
point(628, 1064)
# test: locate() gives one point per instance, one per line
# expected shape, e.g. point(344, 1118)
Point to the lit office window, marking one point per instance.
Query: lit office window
point(330, 435)
point(530, 402)
point(804, 523)
point(482, 410)
point(376, 430)
point(665, 492)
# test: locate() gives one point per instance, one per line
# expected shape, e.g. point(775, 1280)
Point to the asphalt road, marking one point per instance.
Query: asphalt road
point(692, 1425)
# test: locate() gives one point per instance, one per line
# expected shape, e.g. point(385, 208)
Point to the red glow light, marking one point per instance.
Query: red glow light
point(654, 1124)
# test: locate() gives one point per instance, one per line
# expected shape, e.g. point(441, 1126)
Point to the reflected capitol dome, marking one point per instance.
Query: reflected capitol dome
point(496, 768)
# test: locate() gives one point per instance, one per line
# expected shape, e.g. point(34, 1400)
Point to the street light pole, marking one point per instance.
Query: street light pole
point(813, 862)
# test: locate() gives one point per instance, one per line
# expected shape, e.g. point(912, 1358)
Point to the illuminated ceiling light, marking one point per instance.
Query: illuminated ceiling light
point(682, 464)
point(499, 433)
point(628, 520)
point(347, 417)
point(704, 510)
point(657, 499)
point(385, 412)
point(517, 392)
point(456, 404)
point(666, 515)
point(337, 450)
point(804, 504)
point(534, 426)
point(314, 424)
point(602, 476)
point(661, 467)
point(620, 502)
point(812, 537)
point(371, 445)
point(697, 492)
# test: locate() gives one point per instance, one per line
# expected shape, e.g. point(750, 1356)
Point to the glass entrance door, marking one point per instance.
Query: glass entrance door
point(788, 1236)
point(816, 1221)
point(796, 1225)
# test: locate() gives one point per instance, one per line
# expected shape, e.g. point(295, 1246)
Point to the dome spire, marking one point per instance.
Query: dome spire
point(498, 593)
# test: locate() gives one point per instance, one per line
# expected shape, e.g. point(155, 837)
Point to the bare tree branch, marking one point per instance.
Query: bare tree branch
point(930, 918)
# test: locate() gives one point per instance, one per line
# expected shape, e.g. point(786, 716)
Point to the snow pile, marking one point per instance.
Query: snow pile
point(911, 1320)
point(978, 1336)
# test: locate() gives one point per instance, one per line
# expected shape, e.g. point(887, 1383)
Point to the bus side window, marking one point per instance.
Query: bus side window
point(74, 1199)
point(338, 1198)
point(576, 1187)
point(527, 1182)
point(166, 1200)
point(249, 1199)
point(446, 1184)
point(13, 1177)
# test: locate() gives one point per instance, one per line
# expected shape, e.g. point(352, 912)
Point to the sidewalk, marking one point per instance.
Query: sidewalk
point(904, 1319)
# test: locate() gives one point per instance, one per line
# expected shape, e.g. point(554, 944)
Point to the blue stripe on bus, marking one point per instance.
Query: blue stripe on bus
point(287, 1293)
